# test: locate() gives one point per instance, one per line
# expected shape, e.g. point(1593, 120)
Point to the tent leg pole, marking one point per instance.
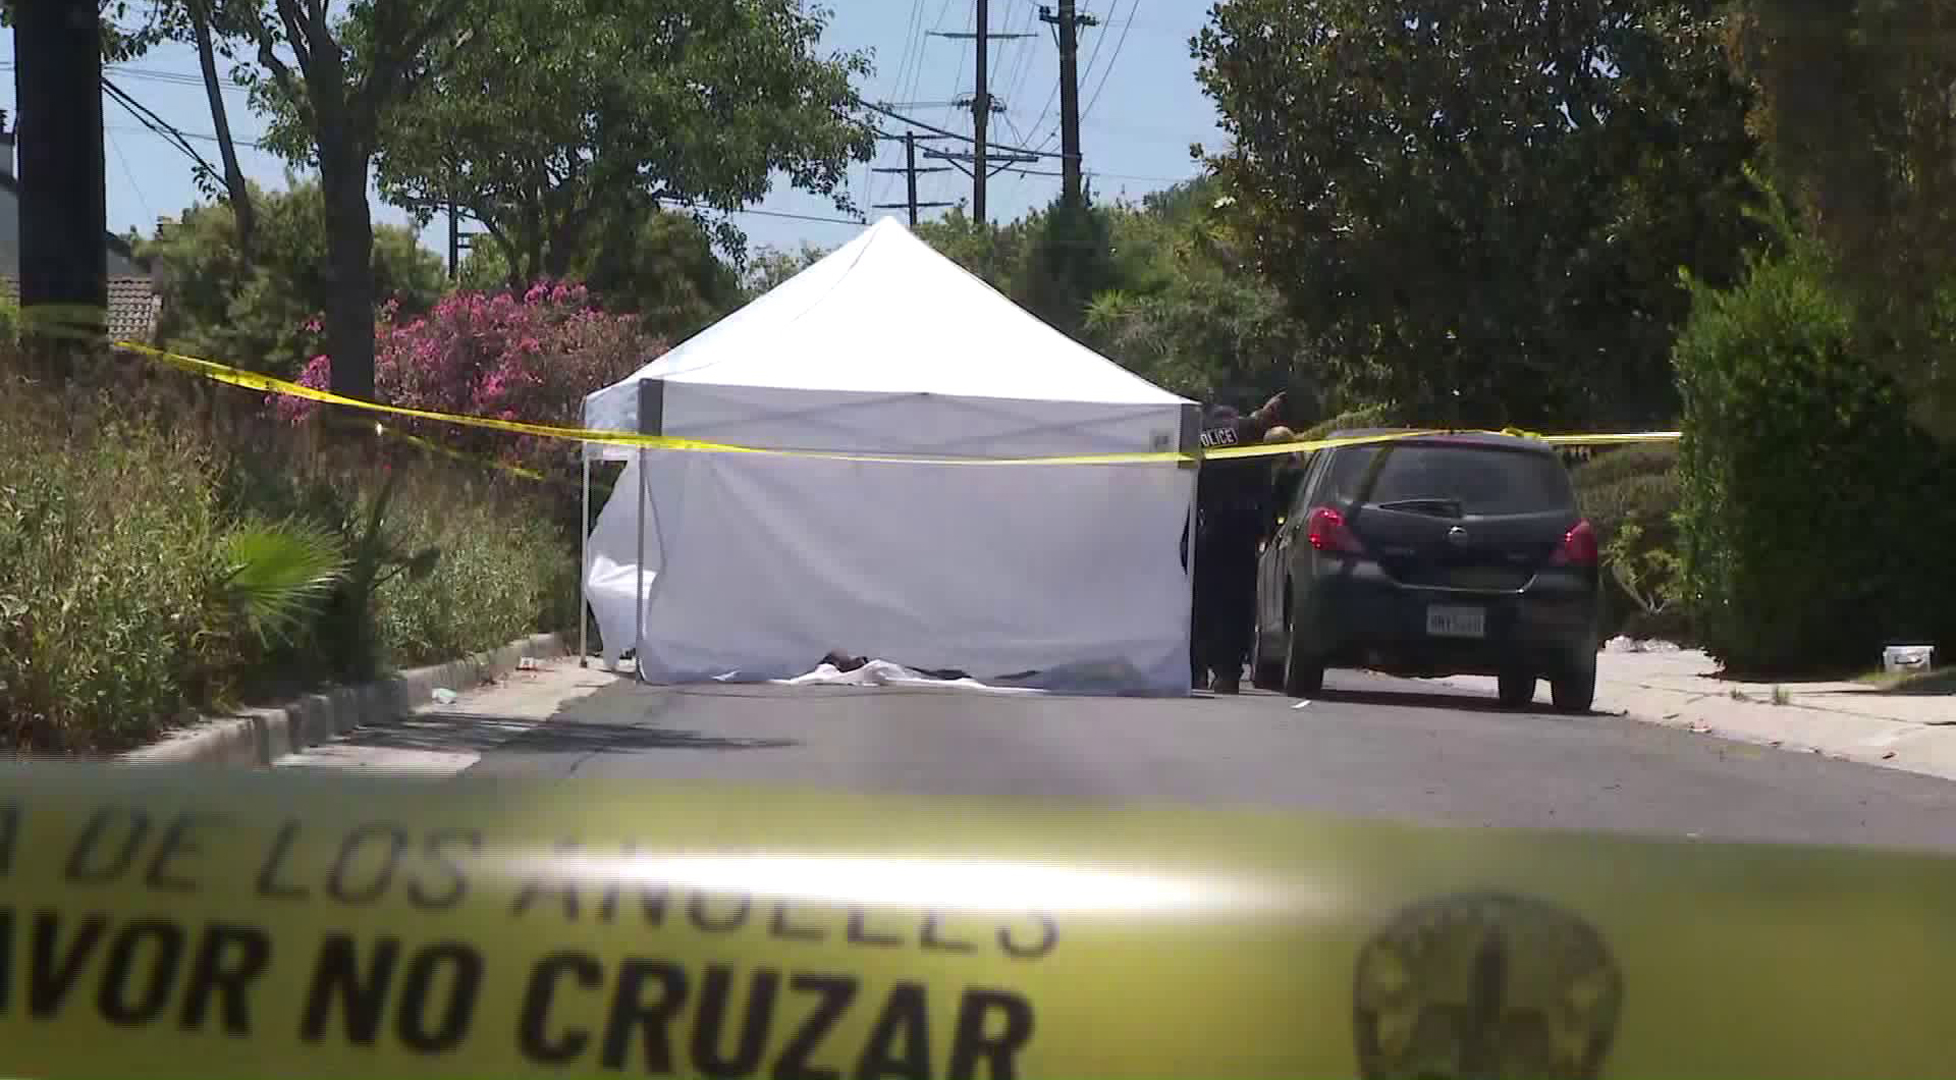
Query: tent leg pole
point(584, 567)
point(638, 587)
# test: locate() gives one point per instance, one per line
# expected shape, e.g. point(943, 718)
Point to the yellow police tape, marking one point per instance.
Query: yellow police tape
point(172, 922)
point(268, 384)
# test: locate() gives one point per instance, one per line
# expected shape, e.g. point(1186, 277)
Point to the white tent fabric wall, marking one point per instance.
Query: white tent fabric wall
point(756, 566)
point(768, 564)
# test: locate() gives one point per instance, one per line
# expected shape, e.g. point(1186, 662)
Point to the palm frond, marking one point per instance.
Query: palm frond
point(275, 575)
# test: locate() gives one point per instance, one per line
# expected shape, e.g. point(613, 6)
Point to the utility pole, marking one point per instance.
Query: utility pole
point(910, 170)
point(64, 210)
point(454, 243)
point(458, 241)
point(981, 114)
point(1068, 24)
point(981, 103)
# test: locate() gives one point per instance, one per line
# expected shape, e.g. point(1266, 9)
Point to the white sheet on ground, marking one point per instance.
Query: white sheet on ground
point(1080, 679)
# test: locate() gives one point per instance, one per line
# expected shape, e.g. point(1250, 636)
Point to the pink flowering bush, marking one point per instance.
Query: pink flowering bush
point(530, 358)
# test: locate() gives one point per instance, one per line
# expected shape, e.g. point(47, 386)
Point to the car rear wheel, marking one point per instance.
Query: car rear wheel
point(1517, 689)
point(1574, 691)
point(1303, 672)
point(1266, 673)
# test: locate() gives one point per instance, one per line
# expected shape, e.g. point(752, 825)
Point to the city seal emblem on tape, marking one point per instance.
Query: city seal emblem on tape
point(1478, 986)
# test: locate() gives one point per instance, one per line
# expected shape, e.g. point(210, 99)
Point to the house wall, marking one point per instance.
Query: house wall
point(120, 265)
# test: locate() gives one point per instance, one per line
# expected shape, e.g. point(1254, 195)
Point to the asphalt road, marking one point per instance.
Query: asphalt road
point(1370, 746)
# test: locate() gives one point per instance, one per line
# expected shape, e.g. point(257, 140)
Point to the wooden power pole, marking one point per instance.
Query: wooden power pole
point(910, 170)
point(64, 210)
point(981, 105)
point(1068, 23)
point(981, 114)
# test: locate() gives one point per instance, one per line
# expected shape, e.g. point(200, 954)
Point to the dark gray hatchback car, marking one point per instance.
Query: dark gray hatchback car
point(1429, 556)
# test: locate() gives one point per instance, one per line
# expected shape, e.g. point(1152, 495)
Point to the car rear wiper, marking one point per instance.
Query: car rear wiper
point(1437, 507)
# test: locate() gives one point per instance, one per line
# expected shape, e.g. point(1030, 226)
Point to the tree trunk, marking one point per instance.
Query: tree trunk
point(557, 260)
point(349, 247)
point(234, 180)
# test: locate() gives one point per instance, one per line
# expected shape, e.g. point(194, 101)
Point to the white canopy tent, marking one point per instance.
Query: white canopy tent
point(748, 566)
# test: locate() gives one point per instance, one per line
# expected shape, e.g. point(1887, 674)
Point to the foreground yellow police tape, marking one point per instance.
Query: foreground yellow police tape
point(159, 922)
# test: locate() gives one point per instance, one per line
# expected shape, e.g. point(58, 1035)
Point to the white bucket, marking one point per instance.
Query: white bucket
point(1908, 658)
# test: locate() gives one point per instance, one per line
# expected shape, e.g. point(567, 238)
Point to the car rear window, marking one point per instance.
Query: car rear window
point(1485, 480)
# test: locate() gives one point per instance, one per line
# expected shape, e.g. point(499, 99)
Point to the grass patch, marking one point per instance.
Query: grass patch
point(1941, 680)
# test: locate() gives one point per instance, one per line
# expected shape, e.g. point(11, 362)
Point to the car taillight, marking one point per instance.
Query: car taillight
point(1578, 547)
point(1328, 532)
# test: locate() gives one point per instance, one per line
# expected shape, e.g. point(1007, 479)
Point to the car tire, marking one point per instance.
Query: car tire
point(1574, 691)
point(1517, 689)
point(1303, 672)
point(1265, 674)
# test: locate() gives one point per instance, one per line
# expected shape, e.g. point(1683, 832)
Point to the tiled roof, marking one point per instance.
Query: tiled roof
point(132, 305)
point(132, 308)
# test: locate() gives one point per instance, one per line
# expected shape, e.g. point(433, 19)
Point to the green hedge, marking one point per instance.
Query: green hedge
point(1816, 520)
point(1630, 496)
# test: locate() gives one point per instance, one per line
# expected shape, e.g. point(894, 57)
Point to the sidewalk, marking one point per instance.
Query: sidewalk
point(1855, 721)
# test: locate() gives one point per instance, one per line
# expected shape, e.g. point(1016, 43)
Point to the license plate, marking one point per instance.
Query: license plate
point(1456, 622)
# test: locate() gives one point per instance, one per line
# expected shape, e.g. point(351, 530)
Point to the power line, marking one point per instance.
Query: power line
point(129, 173)
point(1023, 70)
point(179, 78)
point(768, 213)
point(957, 81)
point(155, 123)
point(1112, 60)
point(910, 40)
point(911, 52)
point(200, 136)
point(920, 42)
point(1092, 173)
point(951, 134)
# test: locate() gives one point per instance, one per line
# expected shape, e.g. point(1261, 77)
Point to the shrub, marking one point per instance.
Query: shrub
point(531, 357)
point(505, 570)
point(1813, 514)
point(108, 559)
point(145, 572)
point(1630, 496)
point(1368, 416)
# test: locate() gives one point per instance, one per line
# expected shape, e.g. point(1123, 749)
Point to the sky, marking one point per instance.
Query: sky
point(1140, 108)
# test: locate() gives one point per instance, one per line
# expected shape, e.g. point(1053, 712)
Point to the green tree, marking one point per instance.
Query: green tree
point(769, 267)
point(327, 80)
point(1068, 258)
point(1188, 314)
point(993, 253)
point(1814, 516)
point(661, 267)
point(254, 312)
point(1480, 210)
point(1853, 106)
point(548, 115)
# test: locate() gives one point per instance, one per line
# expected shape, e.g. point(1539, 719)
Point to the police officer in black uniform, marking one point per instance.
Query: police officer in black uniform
point(1232, 499)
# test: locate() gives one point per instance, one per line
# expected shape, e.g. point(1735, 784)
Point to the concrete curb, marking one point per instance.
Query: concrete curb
point(1928, 749)
point(1712, 709)
point(261, 736)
